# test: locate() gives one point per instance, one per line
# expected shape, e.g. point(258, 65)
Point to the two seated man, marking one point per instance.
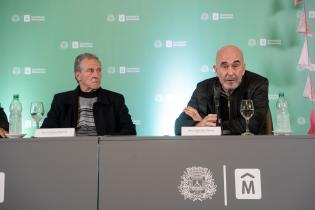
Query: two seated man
point(92, 110)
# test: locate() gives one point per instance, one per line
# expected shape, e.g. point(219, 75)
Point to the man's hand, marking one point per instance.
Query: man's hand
point(193, 113)
point(2, 133)
point(210, 120)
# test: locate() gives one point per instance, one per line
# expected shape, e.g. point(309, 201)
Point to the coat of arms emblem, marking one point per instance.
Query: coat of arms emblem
point(197, 183)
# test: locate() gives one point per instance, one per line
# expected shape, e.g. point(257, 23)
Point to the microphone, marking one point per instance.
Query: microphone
point(216, 98)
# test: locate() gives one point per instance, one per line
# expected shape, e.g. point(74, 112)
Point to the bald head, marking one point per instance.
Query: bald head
point(229, 52)
point(229, 67)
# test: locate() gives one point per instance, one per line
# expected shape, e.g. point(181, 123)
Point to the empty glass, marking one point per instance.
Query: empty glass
point(37, 111)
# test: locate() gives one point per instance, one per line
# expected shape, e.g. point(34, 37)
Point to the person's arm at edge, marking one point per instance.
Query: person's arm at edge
point(4, 124)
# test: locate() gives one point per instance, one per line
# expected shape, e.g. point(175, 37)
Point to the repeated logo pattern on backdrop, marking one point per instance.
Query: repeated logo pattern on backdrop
point(153, 52)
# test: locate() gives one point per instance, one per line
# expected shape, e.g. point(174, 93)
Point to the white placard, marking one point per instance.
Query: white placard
point(55, 132)
point(2, 180)
point(247, 183)
point(201, 131)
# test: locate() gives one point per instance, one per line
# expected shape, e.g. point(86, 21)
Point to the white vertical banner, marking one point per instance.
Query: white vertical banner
point(2, 180)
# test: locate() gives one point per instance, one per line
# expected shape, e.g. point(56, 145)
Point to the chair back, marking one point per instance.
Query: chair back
point(269, 125)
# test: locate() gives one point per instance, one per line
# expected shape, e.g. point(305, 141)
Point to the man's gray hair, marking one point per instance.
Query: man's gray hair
point(82, 56)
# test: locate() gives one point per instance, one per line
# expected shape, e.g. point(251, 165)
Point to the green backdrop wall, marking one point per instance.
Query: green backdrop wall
point(153, 51)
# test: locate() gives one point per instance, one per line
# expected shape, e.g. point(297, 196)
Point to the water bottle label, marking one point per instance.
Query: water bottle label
point(283, 122)
point(15, 119)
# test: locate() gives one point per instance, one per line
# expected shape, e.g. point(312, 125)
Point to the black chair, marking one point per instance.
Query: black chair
point(269, 125)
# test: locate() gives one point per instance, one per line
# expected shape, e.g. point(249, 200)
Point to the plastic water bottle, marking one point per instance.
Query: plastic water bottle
point(15, 119)
point(283, 116)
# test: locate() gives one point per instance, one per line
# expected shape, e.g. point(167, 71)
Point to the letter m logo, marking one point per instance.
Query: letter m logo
point(248, 189)
point(247, 184)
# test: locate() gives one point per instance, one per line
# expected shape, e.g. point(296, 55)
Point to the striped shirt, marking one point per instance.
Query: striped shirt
point(86, 124)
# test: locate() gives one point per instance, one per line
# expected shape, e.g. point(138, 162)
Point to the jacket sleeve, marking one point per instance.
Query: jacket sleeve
point(3, 120)
point(259, 95)
point(51, 121)
point(126, 126)
point(261, 107)
point(185, 120)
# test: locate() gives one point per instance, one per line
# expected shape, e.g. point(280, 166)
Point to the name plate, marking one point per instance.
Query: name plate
point(1, 187)
point(55, 132)
point(201, 131)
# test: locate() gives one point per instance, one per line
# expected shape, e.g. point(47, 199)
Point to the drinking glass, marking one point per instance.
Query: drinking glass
point(247, 111)
point(37, 111)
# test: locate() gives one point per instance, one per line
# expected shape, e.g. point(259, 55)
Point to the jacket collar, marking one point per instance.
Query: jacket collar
point(101, 96)
point(242, 88)
point(218, 92)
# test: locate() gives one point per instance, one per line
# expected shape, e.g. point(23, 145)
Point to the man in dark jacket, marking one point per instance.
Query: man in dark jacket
point(4, 124)
point(90, 109)
point(216, 101)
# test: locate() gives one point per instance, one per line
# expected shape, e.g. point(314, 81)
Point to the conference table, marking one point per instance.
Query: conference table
point(165, 172)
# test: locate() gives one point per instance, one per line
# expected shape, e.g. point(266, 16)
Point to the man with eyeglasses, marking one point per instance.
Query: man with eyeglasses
point(90, 109)
point(216, 101)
